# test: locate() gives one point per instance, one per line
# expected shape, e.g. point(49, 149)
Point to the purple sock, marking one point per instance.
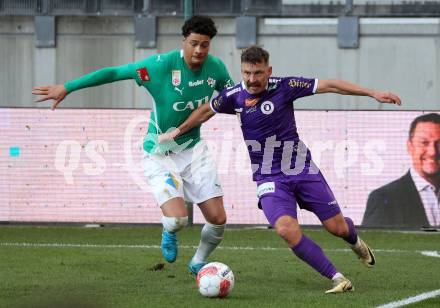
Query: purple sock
point(352, 234)
point(308, 251)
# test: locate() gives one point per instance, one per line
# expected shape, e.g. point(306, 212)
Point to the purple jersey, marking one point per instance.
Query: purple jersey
point(268, 124)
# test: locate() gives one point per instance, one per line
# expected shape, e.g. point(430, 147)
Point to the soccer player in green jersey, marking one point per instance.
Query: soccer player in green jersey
point(179, 81)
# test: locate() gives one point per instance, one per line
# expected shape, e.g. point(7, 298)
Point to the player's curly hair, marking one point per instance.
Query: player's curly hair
point(254, 54)
point(200, 25)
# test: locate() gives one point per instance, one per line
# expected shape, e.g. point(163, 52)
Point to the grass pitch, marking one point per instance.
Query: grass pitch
point(118, 267)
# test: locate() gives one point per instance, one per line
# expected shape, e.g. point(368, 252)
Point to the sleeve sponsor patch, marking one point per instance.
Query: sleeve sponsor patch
point(297, 83)
point(143, 74)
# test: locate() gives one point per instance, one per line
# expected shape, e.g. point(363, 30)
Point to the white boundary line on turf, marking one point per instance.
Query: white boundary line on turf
point(70, 245)
point(431, 254)
point(411, 300)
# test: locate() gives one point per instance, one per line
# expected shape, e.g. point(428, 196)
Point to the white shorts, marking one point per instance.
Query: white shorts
point(190, 174)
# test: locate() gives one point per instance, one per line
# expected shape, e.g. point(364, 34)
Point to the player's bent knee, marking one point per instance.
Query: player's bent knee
point(342, 232)
point(216, 217)
point(218, 220)
point(174, 224)
point(289, 234)
point(339, 230)
point(284, 231)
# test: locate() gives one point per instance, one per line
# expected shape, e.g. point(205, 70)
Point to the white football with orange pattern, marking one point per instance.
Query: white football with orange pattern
point(215, 279)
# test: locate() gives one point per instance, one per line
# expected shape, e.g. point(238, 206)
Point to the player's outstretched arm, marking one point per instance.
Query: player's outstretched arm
point(197, 117)
point(56, 92)
point(102, 76)
point(348, 88)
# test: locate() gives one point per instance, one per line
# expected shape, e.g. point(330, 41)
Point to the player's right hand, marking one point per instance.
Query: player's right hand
point(55, 92)
point(387, 98)
point(168, 136)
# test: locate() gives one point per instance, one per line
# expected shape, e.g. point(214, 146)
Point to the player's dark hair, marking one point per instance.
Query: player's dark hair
point(200, 25)
point(254, 54)
point(430, 117)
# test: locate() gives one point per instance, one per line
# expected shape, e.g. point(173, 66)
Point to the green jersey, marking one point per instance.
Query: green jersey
point(176, 91)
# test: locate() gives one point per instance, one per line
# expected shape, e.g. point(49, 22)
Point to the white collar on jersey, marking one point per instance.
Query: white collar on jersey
point(181, 53)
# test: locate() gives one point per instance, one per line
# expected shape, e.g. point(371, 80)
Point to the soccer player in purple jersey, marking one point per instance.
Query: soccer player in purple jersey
point(282, 165)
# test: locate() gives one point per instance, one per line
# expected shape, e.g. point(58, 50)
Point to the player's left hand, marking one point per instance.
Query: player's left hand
point(387, 98)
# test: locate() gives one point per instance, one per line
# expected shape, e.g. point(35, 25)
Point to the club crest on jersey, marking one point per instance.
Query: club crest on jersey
point(211, 82)
point(143, 74)
point(267, 107)
point(176, 77)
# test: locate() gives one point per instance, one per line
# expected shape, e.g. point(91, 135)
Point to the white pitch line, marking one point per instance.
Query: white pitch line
point(411, 300)
point(70, 245)
point(430, 254)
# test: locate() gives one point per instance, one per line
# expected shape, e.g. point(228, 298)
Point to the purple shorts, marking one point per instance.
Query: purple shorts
point(278, 197)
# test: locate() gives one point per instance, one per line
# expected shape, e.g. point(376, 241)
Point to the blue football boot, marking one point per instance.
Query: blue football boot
point(194, 268)
point(169, 246)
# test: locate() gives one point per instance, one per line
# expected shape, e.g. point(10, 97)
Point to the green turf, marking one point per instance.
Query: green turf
point(108, 276)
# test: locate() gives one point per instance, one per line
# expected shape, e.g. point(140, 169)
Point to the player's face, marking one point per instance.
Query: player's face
point(424, 148)
point(196, 49)
point(255, 76)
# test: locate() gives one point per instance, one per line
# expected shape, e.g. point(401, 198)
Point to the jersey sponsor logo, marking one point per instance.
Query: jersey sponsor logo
point(211, 82)
point(176, 77)
point(182, 106)
point(179, 90)
point(249, 102)
point(295, 83)
point(267, 107)
point(251, 109)
point(196, 83)
point(265, 188)
point(143, 74)
point(229, 93)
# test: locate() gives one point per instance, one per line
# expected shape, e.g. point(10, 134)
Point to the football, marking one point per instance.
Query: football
point(215, 279)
